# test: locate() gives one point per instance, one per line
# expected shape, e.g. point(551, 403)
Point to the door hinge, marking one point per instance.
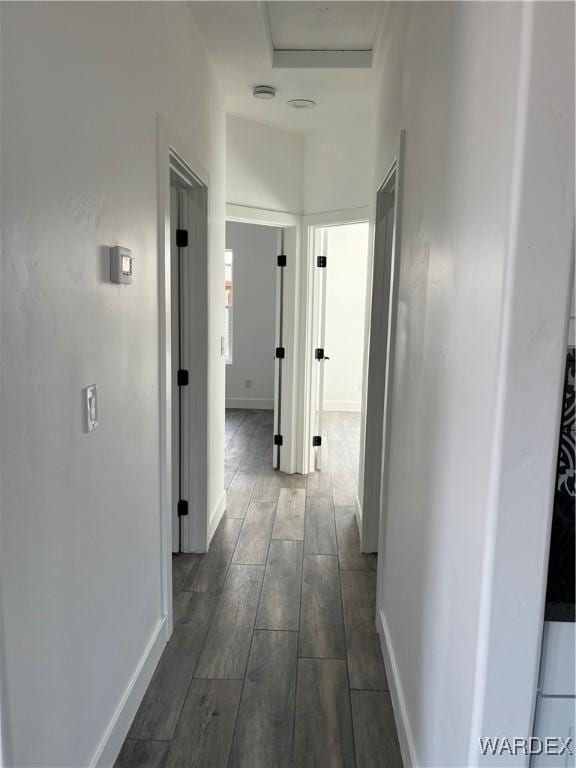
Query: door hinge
point(282, 260)
point(321, 261)
point(182, 508)
point(319, 354)
point(182, 377)
point(278, 440)
point(182, 238)
point(316, 440)
point(280, 352)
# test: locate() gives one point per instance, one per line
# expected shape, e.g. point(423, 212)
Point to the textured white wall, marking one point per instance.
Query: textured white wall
point(82, 84)
point(454, 230)
point(264, 166)
point(452, 76)
point(345, 310)
point(320, 171)
point(339, 167)
point(254, 315)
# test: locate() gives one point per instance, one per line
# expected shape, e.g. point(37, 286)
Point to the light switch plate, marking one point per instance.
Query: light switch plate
point(91, 407)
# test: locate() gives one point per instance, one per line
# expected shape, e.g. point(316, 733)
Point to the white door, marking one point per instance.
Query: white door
point(320, 256)
point(178, 267)
point(175, 359)
point(279, 354)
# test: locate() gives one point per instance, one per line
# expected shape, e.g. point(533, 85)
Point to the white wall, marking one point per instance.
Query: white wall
point(82, 84)
point(452, 76)
point(264, 166)
point(328, 170)
point(339, 166)
point(345, 316)
point(254, 315)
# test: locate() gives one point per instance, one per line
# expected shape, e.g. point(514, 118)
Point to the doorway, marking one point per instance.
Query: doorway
point(253, 347)
point(339, 264)
point(379, 356)
point(183, 185)
point(262, 330)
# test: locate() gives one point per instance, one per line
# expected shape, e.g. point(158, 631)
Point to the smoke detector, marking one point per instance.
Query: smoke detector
point(265, 92)
point(301, 103)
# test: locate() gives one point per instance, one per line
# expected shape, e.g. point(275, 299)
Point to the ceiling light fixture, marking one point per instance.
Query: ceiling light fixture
point(265, 92)
point(301, 103)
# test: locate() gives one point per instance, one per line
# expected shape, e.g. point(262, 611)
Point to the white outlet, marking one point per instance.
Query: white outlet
point(248, 384)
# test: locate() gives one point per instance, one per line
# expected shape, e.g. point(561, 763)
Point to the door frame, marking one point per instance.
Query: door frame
point(311, 224)
point(375, 445)
point(291, 224)
point(175, 156)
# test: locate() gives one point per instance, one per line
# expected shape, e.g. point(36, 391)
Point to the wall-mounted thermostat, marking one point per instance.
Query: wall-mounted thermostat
point(121, 264)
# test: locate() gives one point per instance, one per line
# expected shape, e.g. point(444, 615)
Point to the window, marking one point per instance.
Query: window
point(228, 255)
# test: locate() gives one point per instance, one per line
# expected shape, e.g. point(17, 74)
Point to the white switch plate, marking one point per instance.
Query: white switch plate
point(91, 407)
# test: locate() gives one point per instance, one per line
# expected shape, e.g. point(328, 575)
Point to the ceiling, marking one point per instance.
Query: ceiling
point(306, 50)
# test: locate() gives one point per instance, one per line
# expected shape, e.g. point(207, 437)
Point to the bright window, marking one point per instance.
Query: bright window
point(228, 305)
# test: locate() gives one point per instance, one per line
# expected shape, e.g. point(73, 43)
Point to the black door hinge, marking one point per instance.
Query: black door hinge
point(182, 238)
point(282, 260)
point(278, 440)
point(321, 261)
point(319, 354)
point(316, 440)
point(182, 508)
point(182, 377)
point(280, 352)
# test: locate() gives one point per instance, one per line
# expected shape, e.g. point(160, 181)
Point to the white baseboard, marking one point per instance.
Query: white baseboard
point(250, 403)
point(216, 515)
point(342, 405)
point(396, 694)
point(118, 727)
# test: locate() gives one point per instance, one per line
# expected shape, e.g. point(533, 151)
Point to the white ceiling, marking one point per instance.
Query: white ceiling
point(242, 36)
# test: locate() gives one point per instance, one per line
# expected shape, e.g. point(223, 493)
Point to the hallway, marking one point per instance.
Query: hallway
point(274, 660)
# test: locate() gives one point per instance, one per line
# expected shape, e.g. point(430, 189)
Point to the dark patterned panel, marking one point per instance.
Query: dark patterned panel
point(561, 569)
point(566, 463)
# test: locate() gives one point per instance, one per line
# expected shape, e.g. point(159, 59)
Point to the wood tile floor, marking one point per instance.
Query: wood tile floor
point(274, 660)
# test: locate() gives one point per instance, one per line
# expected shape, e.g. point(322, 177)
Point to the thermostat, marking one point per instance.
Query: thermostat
point(120, 264)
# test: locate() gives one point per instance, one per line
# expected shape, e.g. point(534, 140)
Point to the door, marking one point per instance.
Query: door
point(320, 256)
point(180, 201)
point(279, 352)
point(176, 257)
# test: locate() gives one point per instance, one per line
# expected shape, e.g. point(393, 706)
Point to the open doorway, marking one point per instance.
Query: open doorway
point(253, 348)
point(340, 259)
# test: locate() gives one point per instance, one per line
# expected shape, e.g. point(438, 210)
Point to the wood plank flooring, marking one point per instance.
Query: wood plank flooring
point(275, 660)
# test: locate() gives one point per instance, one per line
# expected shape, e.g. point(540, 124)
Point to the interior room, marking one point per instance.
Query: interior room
point(251, 316)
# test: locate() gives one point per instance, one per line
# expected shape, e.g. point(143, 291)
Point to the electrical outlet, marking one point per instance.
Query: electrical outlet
point(248, 384)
